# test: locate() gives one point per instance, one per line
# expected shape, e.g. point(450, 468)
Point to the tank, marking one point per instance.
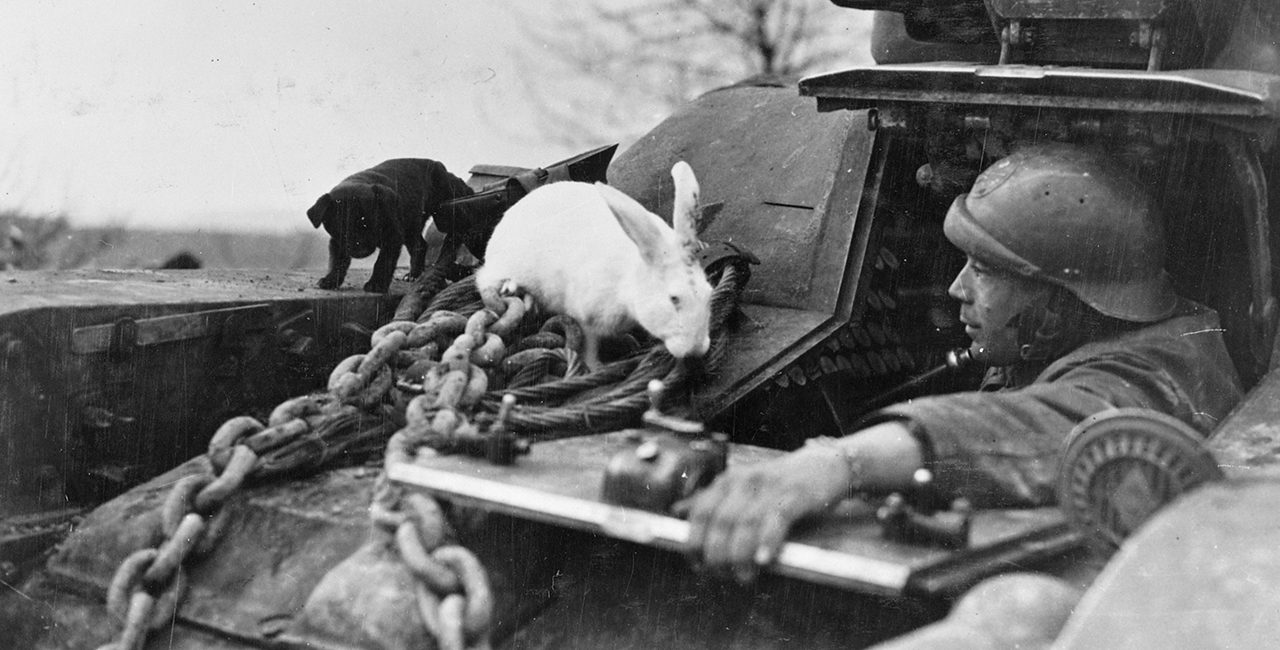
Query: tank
point(527, 508)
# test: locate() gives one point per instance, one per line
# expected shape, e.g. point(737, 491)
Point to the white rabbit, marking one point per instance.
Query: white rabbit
point(594, 253)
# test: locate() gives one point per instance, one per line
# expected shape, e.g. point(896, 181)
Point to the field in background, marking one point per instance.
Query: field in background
point(134, 249)
point(53, 243)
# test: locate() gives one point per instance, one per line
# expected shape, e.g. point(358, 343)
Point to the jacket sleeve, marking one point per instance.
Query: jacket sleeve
point(1003, 448)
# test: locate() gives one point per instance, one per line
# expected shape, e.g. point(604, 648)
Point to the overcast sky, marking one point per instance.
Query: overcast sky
point(238, 114)
point(194, 114)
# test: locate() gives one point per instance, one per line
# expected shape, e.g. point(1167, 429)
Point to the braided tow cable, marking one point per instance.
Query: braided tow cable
point(624, 381)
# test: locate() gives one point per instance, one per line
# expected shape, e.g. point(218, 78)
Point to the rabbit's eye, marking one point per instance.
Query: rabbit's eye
point(675, 301)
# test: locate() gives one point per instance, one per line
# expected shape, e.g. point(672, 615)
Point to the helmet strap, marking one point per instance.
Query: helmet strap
point(1059, 323)
point(1045, 329)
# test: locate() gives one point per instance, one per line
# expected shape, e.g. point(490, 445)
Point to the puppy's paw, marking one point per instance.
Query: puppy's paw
point(329, 282)
point(374, 286)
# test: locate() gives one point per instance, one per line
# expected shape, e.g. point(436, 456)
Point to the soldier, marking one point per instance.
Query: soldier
point(1065, 296)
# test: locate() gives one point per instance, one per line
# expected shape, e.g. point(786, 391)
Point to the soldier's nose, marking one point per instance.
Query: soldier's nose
point(956, 290)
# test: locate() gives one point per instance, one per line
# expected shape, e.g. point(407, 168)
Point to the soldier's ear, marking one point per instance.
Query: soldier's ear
point(320, 211)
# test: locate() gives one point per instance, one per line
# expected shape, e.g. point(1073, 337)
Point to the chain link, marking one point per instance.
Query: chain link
point(459, 357)
point(148, 585)
point(142, 609)
point(452, 590)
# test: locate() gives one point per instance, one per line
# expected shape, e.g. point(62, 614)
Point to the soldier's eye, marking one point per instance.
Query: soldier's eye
point(675, 301)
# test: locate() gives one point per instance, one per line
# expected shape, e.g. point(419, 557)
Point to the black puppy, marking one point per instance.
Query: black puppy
point(383, 207)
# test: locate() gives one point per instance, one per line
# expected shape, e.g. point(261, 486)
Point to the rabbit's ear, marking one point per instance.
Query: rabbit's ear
point(685, 206)
point(643, 227)
point(320, 210)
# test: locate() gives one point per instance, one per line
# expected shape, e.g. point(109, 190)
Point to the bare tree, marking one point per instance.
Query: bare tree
point(30, 242)
point(598, 71)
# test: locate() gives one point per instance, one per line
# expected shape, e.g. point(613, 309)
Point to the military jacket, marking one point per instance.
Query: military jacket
point(1002, 447)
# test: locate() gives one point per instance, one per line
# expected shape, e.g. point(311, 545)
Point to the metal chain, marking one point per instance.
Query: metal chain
point(452, 589)
point(448, 356)
point(149, 584)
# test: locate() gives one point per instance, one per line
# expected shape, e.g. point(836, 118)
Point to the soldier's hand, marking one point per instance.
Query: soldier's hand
point(738, 523)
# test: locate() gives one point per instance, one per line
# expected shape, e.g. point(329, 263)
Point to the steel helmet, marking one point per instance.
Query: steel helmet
point(1069, 216)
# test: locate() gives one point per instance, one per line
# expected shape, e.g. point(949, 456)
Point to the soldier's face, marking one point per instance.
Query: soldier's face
point(991, 300)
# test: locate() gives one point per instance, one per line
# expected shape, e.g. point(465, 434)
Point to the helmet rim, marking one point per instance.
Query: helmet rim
point(1138, 299)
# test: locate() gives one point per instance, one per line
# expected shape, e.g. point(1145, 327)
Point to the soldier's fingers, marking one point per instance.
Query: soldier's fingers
point(699, 509)
point(716, 541)
point(741, 548)
point(774, 527)
point(697, 534)
point(733, 519)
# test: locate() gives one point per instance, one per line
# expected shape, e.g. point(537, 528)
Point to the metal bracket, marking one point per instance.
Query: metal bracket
point(1016, 20)
point(120, 338)
point(123, 339)
point(1011, 36)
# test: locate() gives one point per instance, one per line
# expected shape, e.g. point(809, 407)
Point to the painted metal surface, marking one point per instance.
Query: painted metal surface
point(1079, 9)
point(167, 329)
point(1247, 445)
point(1200, 575)
point(795, 198)
point(1218, 93)
point(560, 483)
point(125, 374)
point(258, 585)
point(254, 588)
